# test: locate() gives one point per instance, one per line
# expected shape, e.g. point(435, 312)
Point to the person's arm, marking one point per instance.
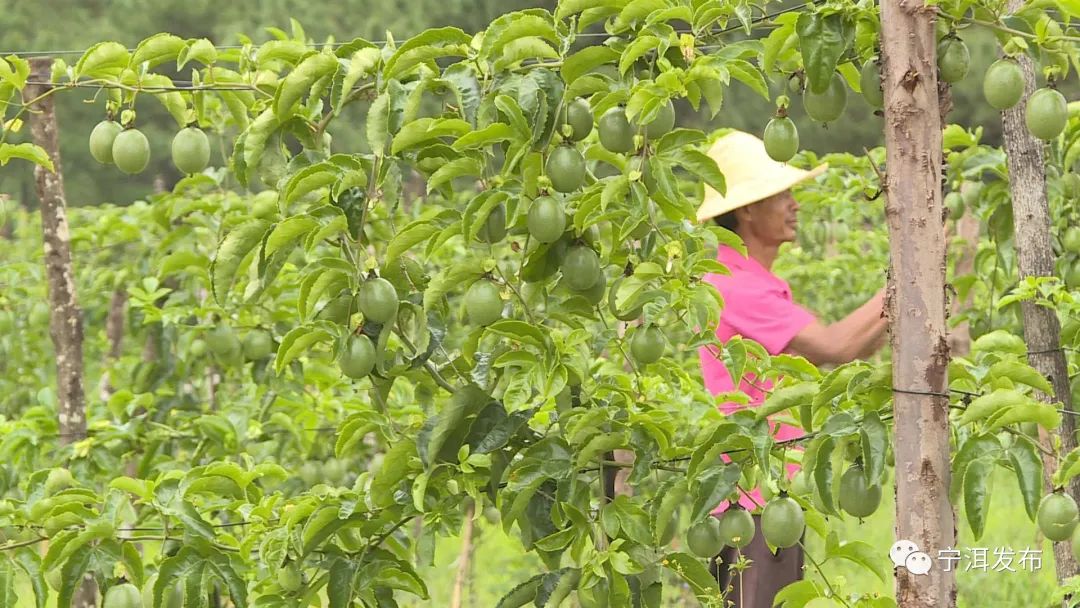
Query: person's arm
point(857, 335)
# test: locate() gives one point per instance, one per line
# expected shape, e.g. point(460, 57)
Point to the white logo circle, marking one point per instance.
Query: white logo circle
point(900, 551)
point(918, 563)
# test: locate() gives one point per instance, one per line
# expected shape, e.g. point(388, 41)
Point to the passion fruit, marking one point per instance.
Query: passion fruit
point(704, 538)
point(566, 169)
point(782, 522)
point(190, 150)
point(616, 134)
point(258, 345)
point(1057, 516)
point(662, 123)
point(870, 83)
point(647, 345)
point(101, 140)
point(546, 220)
point(829, 105)
point(493, 229)
point(856, 496)
point(736, 527)
point(122, 596)
point(1046, 114)
point(579, 117)
point(378, 300)
point(581, 268)
point(131, 151)
point(781, 139)
point(1003, 84)
point(358, 359)
point(483, 304)
point(954, 59)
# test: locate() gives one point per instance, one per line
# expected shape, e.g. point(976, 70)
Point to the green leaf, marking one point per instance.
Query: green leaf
point(1020, 372)
point(299, 82)
point(987, 405)
point(823, 39)
point(378, 123)
point(787, 397)
point(999, 341)
point(691, 570)
point(567, 8)
point(598, 444)
point(288, 232)
point(418, 231)
point(519, 331)
point(1028, 466)
point(521, 594)
point(865, 555)
point(637, 48)
point(1044, 414)
point(495, 132)
point(467, 400)
point(27, 151)
point(425, 47)
point(319, 527)
point(874, 443)
point(703, 166)
point(233, 249)
point(395, 467)
point(15, 71)
point(823, 472)
point(7, 583)
point(454, 169)
point(423, 130)
point(746, 73)
point(311, 178)
point(798, 593)
point(976, 447)
point(361, 64)
point(977, 484)
point(289, 51)
point(156, 50)
point(200, 50)
point(73, 572)
point(297, 342)
point(103, 60)
point(30, 562)
point(582, 62)
point(339, 588)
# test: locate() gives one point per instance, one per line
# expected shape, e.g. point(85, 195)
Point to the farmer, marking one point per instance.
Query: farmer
point(758, 306)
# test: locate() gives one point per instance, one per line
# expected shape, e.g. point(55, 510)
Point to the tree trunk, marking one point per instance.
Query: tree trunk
point(464, 565)
point(114, 333)
point(1035, 257)
point(916, 302)
point(65, 317)
point(967, 232)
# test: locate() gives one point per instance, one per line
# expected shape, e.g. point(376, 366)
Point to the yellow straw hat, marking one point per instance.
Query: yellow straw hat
point(749, 173)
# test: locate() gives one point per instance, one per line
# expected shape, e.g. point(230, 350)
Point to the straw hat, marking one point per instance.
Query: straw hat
point(749, 173)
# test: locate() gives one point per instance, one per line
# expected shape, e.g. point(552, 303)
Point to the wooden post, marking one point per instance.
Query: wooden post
point(1035, 258)
point(916, 302)
point(65, 316)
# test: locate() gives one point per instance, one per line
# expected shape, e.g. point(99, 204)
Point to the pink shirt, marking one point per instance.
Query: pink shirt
point(758, 307)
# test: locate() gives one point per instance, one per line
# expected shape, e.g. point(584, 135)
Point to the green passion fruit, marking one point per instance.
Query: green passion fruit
point(1057, 516)
point(131, 151)
point(258, 344)
point(829, 105)
point(493, 229)
point(483, 303)
point(856, 496)
point(579, 117)
point(101, 140)
point(289, 578)
point(662, 123)
point(378, 300)
point(954, 202)
point(581, 268)
point(566, 169)
point(172, 598)
point(781, 139)
point(704, 538)
point(546, 220)
point(1071, 239)
point(122, 596)
point(782, 522)
point(870, 83)
point(358, 358)
point(954, 59)
point(616, 134)
point(647, 345)
point(223, 343)
point(1046, 113)
point(190, 150)
point(1003, 84)
point(736, 527)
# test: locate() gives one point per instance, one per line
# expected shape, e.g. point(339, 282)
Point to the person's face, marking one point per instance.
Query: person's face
point(773, 220)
